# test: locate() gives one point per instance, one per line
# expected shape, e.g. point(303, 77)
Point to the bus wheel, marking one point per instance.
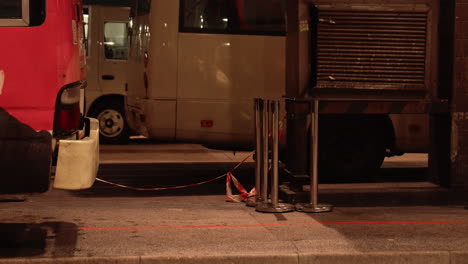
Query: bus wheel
point(352, 148)
point(113, 127)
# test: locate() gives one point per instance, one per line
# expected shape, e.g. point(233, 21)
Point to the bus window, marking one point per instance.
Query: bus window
point(253, 17)
point(15, 12)
point(22, 13)
point(115, 40)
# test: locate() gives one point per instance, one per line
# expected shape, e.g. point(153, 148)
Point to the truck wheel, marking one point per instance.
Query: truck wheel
point(352, 148)
point(113, 127)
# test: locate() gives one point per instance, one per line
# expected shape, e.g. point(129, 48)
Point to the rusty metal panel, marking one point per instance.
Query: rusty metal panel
point(460, 75)
point(459, 150)
point(459, 136)
point(373, 47)
point(383, 107)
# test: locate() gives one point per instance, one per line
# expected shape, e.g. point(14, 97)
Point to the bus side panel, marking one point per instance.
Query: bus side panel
point(232, 122)
point(137, 76)
point(162, 50)
point(160, 118)
point(411, 133)
point(219, 75)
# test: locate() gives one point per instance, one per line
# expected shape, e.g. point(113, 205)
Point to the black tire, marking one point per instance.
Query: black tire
point(113, 126)
point(352, 148)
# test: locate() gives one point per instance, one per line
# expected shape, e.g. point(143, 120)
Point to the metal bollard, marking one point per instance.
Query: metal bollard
point(268, 203)
point(265, 158)
point(314, 206)
point(258, 119)
point(274, 153)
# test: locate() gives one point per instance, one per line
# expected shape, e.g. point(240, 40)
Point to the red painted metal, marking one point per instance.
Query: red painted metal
point(39, 60)
point(206, 123)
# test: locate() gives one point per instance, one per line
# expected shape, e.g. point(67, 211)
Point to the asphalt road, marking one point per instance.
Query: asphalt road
point(371, 222)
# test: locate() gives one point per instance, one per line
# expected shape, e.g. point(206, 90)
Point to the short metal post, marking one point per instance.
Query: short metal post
point(265, 156)
point(272, 205)
point(274, 153)
point(314, 206)
point(258, 114)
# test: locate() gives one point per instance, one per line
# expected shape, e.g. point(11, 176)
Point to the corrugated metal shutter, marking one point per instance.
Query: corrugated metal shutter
point(369, 49)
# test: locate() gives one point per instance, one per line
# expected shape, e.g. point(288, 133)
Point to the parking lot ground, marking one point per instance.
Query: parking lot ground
point(107, 224)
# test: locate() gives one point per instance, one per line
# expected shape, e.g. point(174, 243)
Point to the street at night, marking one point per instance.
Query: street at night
point(380, 222)
point(233, 132)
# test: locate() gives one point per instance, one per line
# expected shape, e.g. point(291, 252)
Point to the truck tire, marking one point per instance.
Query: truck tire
point(353, 147)
point(113, 126)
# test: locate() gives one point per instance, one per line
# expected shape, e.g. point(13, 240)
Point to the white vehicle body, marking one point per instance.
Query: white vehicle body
point(180, 79)
point(107, 53)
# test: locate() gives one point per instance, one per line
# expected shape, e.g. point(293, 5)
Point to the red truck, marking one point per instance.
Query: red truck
point(43, 132)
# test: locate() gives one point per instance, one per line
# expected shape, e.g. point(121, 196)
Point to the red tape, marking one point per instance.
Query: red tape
point(242, 197)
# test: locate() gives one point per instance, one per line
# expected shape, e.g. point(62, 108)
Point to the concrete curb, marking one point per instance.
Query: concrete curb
point(286, 258)
point(416, 257)
point(459, 257)
point(77, 260)
point(419, 257)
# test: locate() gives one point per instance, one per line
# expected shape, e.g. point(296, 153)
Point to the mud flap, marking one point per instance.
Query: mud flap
point(25, 157)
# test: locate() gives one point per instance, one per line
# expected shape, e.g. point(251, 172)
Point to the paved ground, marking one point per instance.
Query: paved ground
point(111, 225)
point(142, 152)
point(187, 228)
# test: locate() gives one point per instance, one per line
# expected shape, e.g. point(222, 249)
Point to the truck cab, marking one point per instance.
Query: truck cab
point(42, 86)
point(107, 54)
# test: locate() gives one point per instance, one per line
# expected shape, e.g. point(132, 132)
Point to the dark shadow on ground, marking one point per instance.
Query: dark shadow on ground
point(398, 187)
point(383, 175)
point(155, 175)
point(146, 141)
point(28, 239)
point(166, 175)
point(149, 141)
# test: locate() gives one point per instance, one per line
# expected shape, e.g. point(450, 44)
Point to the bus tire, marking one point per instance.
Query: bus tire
point(352, 147)
point(113, 126)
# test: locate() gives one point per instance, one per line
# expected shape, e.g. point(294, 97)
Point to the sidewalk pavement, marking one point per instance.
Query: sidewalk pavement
point(63, 227)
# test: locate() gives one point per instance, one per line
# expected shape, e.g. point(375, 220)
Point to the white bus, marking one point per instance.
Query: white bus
point(195, 67)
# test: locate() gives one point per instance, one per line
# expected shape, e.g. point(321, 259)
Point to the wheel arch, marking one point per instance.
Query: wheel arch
point(104, 98)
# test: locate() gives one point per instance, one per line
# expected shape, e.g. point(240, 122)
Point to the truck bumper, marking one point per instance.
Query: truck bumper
point(78, 160)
